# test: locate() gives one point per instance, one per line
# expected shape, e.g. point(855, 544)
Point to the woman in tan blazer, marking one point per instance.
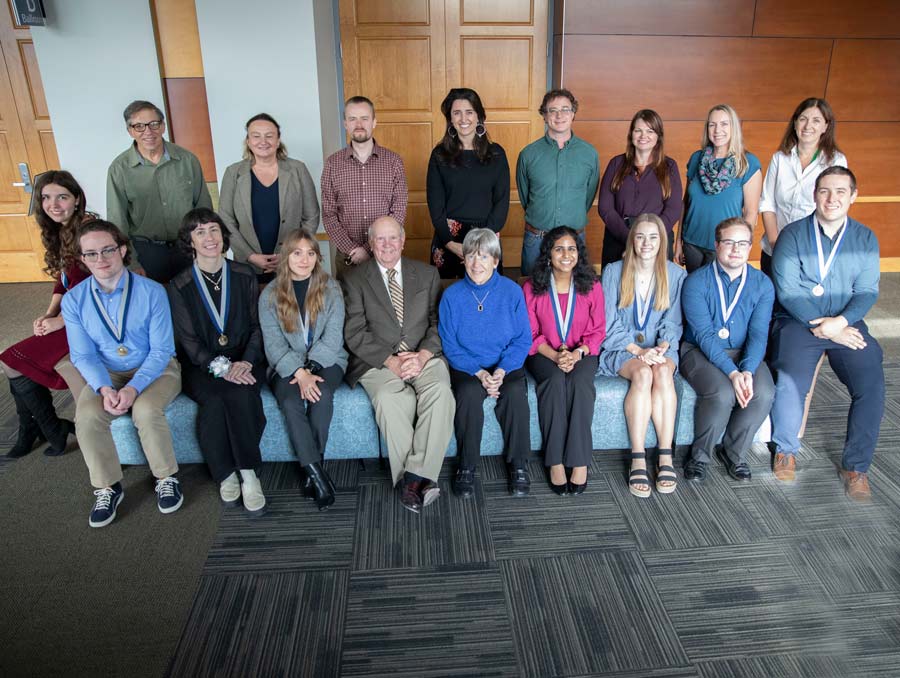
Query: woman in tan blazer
point(266, 196)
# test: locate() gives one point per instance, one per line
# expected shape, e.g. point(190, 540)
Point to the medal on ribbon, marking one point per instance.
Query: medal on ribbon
point(825, 265)
point(641, 309)
point(115, 328)
point(563, 323)
point(723, 310)
point(219, 316)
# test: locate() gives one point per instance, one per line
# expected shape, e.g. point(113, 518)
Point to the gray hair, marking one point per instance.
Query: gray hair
point(140, 105)
point(482, 240)
point(384, 218)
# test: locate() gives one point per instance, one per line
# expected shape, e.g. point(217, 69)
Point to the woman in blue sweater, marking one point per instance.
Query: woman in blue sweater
point(486, 336)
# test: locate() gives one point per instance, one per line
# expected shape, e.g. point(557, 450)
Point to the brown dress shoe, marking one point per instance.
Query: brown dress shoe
point(784, 467)
point(856, 485)
point(410, 496)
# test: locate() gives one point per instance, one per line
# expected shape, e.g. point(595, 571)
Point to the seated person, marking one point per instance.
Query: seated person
point(485, 334)
point(119, 329)
point(643, 327)
point(727, 308)
point(302, 316)
point(219, 347)
point(565, 341)
point(395, 354)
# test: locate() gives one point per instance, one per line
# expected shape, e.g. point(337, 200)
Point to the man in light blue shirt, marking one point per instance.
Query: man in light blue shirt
point(119, 328)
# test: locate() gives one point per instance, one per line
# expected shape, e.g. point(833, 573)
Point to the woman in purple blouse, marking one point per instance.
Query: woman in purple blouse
point(642, 180)
point(566, 310)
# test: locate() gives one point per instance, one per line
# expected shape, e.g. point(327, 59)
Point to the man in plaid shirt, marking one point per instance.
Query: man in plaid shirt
point(359, 184)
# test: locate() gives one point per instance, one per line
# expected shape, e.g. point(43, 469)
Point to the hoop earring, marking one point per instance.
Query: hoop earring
point(480, 130)
point(451, 132)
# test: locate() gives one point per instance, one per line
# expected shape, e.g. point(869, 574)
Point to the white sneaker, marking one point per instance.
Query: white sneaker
point(254, 499)
point(230, 490)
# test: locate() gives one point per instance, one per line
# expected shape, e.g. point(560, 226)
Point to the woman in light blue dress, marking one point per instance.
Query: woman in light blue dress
point(643, 328)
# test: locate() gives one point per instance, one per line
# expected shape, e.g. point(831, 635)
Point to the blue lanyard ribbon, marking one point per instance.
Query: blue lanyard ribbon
point(218, 316)
point(118, 334)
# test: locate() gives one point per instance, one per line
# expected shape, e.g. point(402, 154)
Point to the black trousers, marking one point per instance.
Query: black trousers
point(565, 409)
point(511, 412)
point(230, 421)
point(162, 261)
point(307, 422)
point(695, 257)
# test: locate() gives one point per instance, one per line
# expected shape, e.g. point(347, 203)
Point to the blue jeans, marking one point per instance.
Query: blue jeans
point(531, 248)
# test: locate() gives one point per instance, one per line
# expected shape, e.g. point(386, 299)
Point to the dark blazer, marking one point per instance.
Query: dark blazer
point(196, 338)
point(296, 198)
point(371, 329)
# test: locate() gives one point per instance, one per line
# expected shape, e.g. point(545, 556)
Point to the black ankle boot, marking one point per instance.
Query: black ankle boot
point(29, 435)
point(307, 488)
point(322, 485)
point(40, 403)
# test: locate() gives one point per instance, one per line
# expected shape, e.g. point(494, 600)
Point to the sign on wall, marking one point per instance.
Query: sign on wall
point(29, 12)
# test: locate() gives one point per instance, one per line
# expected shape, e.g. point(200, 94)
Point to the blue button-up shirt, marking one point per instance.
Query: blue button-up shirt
point(851, 287)
point(748, 325)
point(148, 332)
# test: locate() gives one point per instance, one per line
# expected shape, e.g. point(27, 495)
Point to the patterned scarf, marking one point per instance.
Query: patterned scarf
point(715, 180)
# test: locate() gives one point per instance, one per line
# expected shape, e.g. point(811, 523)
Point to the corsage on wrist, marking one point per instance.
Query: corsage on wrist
point(219, 366)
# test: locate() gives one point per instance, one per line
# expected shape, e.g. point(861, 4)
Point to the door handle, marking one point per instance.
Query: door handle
point(25, 184)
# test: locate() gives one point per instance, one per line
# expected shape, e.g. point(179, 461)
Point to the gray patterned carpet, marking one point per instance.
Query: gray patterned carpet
point(726, 580)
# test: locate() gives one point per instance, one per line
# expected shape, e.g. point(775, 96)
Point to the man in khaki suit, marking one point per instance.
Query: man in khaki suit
point(395, 354)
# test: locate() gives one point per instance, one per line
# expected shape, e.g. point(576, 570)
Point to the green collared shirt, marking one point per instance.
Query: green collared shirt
point(150, 200)
point(557, 185)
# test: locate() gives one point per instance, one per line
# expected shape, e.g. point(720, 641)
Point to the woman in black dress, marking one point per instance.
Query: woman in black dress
point(219, 344)
point(468, 181)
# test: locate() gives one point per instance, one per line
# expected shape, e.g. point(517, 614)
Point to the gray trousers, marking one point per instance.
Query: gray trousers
point(717, 409)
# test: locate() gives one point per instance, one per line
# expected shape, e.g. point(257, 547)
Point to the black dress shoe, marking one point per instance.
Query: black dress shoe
point(575, 488)
point(519, 482)
point(306, 487)
point(411, 496)
point(695, 471)
point(322, 485)
point(739, 471)
point(464, 482)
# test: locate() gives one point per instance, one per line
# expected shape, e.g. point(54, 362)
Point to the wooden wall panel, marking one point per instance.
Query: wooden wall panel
point(681, 79)
point(652, 17)
point(395, 73)
point(48, 143)
point(35, 85)
point(413, 141)
point(884, 220)
point(513, 136)
point(178, 38)
point(493, 12)
point(828, 18)
point(864, 82)
point(189, 120)
point(392, 11)
point(866, 145)
point(484, 58)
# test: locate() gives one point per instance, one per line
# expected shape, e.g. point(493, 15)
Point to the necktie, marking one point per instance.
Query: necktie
point(397, 301)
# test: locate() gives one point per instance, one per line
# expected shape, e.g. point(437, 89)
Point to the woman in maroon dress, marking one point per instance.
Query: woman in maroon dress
point(37, 364)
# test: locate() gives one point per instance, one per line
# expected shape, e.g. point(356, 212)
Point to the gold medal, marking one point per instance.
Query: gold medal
point(640, 337)
point(222, 340)
point(563, 347)
point(122, 350)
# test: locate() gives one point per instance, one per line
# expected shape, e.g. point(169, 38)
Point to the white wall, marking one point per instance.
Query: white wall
point(95, 58)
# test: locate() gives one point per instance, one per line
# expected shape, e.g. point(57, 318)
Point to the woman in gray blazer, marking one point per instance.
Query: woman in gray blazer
point(302, 318)
point(265, 196)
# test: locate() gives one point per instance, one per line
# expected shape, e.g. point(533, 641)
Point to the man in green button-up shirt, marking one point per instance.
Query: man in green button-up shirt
point(557, 176)
point(149, 189)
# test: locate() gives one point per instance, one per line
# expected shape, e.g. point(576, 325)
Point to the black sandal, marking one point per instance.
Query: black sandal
point(665, 473)
point(638, 476)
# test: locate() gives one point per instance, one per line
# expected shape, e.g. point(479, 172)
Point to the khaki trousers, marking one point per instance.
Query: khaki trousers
point(71, 376)
point(415, 417)
point(148, 413)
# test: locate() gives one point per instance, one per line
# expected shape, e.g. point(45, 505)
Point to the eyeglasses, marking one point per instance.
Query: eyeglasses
point(472, 257)
point(141, 126)
point(106, 253)
point(565, 111)
point(735, 244)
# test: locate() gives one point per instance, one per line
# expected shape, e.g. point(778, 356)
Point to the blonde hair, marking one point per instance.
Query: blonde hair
point(283, 298)
point(660, 267)
point(736, 144)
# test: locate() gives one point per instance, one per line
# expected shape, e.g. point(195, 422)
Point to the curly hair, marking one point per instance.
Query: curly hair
point(583, 274)
point(60, 243)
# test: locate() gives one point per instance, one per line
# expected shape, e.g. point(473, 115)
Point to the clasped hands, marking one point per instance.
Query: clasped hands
point(837, 329)
point(653, 355)
point(491, 382)
point(566, 359)
point(240, 372)
point(408, 364)
point(308, 383)
point(48, 324)
point(743, 387)
point(119, 401)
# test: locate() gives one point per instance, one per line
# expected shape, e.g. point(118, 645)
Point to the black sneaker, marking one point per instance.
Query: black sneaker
point(168, 495)
point(108, 500)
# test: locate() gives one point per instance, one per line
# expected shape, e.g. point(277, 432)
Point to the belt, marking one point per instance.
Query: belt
point(534, 231)
point(167, 243)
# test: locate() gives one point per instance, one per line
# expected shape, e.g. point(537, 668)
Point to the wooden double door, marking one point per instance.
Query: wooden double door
point(26, 137)
point(405, 55)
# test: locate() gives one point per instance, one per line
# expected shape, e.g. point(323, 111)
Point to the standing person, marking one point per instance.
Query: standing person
point(643, 327)
point(265, 196)
point(826, 270)
point(808, 147)
point(391, 332)
point(302, 317)
point(467, 183)
point(724, 180)
point(644, 180)
point(149, 188)
point(727, 308)
point(359, 184)
point(119, 327)
point(485, 336)
point(219, 346)
point(568, 324)
point(37, 364)
point(556, 176)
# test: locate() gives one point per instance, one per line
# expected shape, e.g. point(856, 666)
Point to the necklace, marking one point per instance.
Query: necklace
point(215, 281)
point(480, 301)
